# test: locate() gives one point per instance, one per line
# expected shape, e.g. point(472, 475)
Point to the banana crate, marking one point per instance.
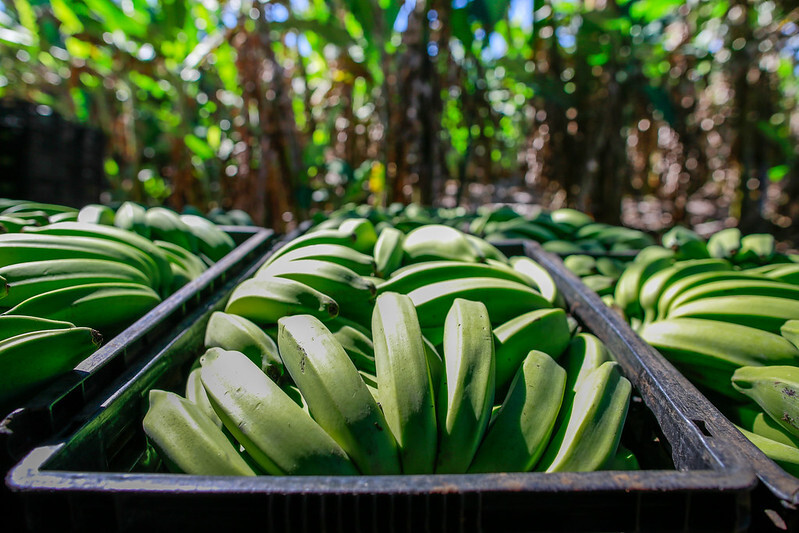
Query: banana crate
point(102, 478)
point(52, 409)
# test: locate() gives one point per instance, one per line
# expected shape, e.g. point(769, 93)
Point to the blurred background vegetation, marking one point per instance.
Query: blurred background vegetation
point(646, 112)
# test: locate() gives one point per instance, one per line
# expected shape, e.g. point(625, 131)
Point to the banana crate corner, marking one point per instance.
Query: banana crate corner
point(52, 408)
point(103, 476)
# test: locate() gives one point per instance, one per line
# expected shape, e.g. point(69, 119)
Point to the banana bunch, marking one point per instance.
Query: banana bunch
point(432, 362)
point(74, 275)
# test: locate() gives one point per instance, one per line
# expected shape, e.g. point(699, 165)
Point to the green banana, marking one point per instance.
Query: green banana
point(264, 301)
point(404, 383)
point(590, 436)
point(63, 217)
point(775, 389)
point(23, 247)
point(353, 293)
point(176, 255)
point(96, 214)
point(356, 343)
point(787, 457)
point(276, 432)
point(166, 225)
point(50, 209)
point(236, 333)
point(786, 273)
point(486, 249)
point(571, 218)
point(768, 313)
point(29, 360)
point(735, 287)
point(15, 224)
point(765, 426)
point(211, 241)
point(130, 217)
point(580, 264)
point(361, 264)
point(602, 285)
point(364, 231)
point(725, 243)
point(541, 278)
point(326, 236)
point(708, 351)
point(29, 279)
point(790, 331)
point(13, 325)
point(521, 428)
point(655, 285)
point(434, 242)
point(337, 396)
point(584, 354)
point(756, 247)
point(544, 330)
point(628, 286)
point(418, 275)
point(505, 299)
point(106, 307)
point(195, 393)
point(113, 235)
point(467, 392)
point(676, 289)
point(188, 440)
point(388, 251)
point(686, 243)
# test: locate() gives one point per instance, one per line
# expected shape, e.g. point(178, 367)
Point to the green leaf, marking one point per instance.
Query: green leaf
point(778, 172)
point(198, 146)
point(27, 18)
point(70, 23)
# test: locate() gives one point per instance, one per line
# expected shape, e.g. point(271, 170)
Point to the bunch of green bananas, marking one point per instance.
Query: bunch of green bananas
point(358, 350)
point(725, 311)
point(68, 276)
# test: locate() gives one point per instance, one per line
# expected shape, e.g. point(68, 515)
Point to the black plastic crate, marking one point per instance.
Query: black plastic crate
point(52, 409)
point(776, 498)
point(95, 478)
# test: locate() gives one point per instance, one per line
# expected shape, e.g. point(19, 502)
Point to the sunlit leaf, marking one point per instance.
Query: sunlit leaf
point(778, 172)
point(198, 146)
point(70, 23)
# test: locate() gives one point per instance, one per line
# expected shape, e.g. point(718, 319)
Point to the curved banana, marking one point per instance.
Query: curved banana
point(195, 393)
point(236, 333)
point(542, 279)
point(486, 249)
point(676, 289)
point(188, 440)
point(113, 235)
point(276, 432)
point(29, 360)
point(356, 343)
point(23, 247)
point(353, 293)
point(418, 275)
point(756, 248)
point(504, 299)
point(388, 251)
point(775, 389)
point(628, 286)
point(768, 313)
point(166, 225)
point(544, 330)
point(364, 232)
point(28, 279)
point(466, 395)
point(790, 331)
point(264, 301)
point(725, 243)
point(787, 457)
point(211, 240)
point(107, 307)
point(361, 264)
point(130, 217)
point(326, 236)
point(337, 396)
point(521, 428)
point(788, 273)
point(13, 325)
point(433, 242)
point(404, 383)
point(176, 255)
point(590, 437)
point(653, 287)
point(736, 287)
point(96, 214)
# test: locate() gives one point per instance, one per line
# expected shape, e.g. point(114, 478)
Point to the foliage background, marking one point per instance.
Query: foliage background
point(646, 112)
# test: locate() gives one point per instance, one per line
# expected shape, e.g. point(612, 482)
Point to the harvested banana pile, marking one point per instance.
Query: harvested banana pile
point(368, 350)
point(725, 312)
point(72, 277)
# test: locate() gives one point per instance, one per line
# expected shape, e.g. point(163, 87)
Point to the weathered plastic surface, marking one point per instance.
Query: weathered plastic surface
point(51, 409)
point(96, 478)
